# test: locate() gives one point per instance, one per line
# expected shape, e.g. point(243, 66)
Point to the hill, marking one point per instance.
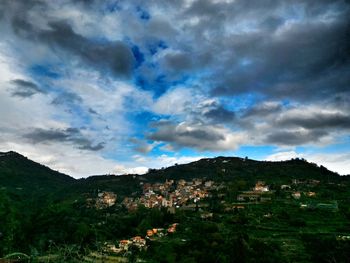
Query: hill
point(223, 169)
point(18, 173)
point(303, 216)
point(236, 167)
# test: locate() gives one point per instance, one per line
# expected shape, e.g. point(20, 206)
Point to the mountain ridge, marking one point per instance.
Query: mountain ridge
point(17, 172)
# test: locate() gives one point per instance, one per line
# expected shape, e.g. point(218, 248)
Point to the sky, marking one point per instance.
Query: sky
point(93, 87)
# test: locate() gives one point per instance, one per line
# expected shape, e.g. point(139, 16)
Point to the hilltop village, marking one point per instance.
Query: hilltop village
point(194, 195)
point(213, 210)
point(181, 194)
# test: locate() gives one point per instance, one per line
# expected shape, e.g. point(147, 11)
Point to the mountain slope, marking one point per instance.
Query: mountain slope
point(19, 173)
point(229, 167)
point(221, 169)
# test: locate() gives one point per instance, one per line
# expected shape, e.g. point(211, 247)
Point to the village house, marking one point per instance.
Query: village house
point(181, 182)
point(137, 241)
point(310, 194)
point(261, 187)
point(124, 244)
point(111, 248)
point(247, 197)
point(197, 182)
point(296, 195)
point(208, 184)
point(172, 228)
point(105, 200)
point(155, 232)
point(171, 196)
point(285, 187)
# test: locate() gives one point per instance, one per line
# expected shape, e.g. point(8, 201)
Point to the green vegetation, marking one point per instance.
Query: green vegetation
point(45, 216)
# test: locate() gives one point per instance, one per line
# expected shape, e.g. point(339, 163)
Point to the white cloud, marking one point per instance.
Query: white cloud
point(337, 162)
point(282, 156)
point(174, 101)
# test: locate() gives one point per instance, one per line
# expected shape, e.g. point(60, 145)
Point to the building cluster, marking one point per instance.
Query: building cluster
point(161, 232)
point(139, 242)
point(308, 182)
point(103, 200)
point(298, 194)
point(124, 245)
point(259, 193)
point(294, 189)
point(171, 194)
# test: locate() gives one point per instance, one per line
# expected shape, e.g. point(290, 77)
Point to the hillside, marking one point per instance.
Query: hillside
point(234, 166)
point(55, 218)
point(224, 169)
point(18, 173)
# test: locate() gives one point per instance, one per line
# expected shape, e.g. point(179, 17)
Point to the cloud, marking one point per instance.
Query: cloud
point(282, 156)
point(64, 158)
point(337, 162)
point(198, 136)
point(24, 89)
point(113, 56)
point(335, 120)
point(295, 137)
point(218, 74)
point(67, 98)
point(274, 49)
point(177, 60)
point(174, 101)
point(294, 124)
point(141, 146)
point(70, 135)
point(123, 169)
point(218, 114)
point(58, 36)
point(262, 110)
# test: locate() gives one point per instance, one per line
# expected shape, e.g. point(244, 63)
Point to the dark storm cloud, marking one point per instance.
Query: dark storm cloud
point(114, 56)
point(292, 52)
point(262, 110)
point(106, 56)
point(298, 63)
point(291, 138)
point(201, 137)
point(178, 61)
point(290, 125)
point(69, 135)
point(281, 49)
point(41, 135)
point(23, 88)
point(220, 115)
point(317, 121)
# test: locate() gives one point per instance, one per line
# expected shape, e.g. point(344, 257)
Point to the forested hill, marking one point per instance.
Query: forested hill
point(46, 214)
point(224, 169)
point(234, 166)
point(19, 173)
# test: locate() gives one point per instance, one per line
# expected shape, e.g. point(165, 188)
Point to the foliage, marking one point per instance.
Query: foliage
point(45, 214)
